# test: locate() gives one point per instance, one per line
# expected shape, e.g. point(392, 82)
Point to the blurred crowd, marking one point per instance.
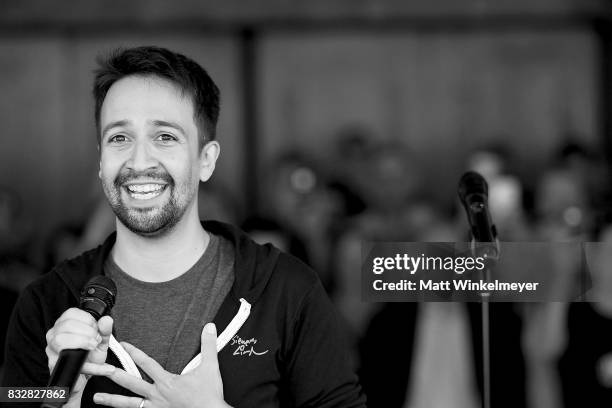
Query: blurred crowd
point(408, 354)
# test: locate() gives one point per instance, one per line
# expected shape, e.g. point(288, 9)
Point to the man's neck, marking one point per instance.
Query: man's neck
point(160, 259)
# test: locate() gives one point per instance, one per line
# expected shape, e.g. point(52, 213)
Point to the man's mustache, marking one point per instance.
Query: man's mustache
point(130, 175)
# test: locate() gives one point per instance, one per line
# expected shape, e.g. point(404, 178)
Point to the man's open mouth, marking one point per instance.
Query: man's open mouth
point(145, 191)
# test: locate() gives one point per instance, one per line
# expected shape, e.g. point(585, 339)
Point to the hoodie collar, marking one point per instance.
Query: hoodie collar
point(253, 264)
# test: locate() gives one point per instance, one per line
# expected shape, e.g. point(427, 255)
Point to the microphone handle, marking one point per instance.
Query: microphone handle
point(66, 372)
point(482, 228)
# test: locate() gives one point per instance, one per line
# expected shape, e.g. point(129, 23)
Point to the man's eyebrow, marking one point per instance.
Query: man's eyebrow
point(116, 123)
point(169, 124)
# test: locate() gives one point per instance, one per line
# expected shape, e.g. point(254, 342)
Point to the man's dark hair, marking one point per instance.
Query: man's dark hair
point(190, 77)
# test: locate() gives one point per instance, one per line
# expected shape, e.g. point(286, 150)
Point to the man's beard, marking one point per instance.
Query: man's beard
point(152, 221)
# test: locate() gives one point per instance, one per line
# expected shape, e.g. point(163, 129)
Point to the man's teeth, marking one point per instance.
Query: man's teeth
point(145, 188)
point(145, 191)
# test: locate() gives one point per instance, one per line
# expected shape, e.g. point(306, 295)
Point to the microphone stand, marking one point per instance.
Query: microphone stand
point(489, 251)
point(473, 192)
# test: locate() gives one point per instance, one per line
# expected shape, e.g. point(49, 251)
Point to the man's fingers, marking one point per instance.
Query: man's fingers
point(77, 314)
point(98, 369)
point(76, 326)
point(209, 365)
point(105, 327)
point(150, 366)
point(51, 358)
point(130, 382)
point(209, 344)
point(49, 335)
point(63, 341)
point(117, 401)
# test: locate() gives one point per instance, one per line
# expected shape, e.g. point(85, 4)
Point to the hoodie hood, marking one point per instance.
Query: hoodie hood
point(253, 266)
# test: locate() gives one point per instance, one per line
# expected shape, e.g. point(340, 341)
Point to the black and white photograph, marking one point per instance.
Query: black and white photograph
point(332, 204)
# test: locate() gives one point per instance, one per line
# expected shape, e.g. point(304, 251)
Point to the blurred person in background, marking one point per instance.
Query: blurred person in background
point(266, 230)
point(298, 199)
point(350, 153)
point(563, 207)
point(590, 168)
point(15, 271)
point(390, 183)
point(15, 238)
point(563, 213)
point(584, 346)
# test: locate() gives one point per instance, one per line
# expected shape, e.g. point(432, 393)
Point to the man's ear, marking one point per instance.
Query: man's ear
point(208, 159)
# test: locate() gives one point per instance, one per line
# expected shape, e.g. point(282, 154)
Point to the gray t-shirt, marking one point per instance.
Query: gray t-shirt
point(165, 319)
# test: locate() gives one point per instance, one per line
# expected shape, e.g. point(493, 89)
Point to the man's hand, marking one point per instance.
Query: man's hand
point(201, 387)
point(77, 329)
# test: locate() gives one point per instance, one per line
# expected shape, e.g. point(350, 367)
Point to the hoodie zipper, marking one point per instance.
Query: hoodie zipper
point(230, 331)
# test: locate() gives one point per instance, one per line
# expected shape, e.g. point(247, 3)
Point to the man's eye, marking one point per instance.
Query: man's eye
point(166, 138)
point(118, 139)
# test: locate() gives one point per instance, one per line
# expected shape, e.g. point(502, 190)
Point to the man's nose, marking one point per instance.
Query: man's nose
point(142, 157)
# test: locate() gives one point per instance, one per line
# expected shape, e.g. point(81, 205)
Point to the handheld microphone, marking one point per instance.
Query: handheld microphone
point(474, 195)
point(97, 298)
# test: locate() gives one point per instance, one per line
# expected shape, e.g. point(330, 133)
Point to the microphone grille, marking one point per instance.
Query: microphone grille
point(98, 296)
point(472, 183)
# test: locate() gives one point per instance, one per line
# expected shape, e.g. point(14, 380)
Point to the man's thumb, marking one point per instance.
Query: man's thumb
point(105, 326)
point(209, 342)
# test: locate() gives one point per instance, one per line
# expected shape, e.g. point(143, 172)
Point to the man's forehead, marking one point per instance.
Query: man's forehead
point(146, 95)
point(150, 81)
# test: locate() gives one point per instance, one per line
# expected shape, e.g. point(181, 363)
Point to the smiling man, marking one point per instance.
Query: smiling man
point(204, 317)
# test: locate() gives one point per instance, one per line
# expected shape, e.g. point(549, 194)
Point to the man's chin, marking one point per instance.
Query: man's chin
point(146, 223)
point(147, 229)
